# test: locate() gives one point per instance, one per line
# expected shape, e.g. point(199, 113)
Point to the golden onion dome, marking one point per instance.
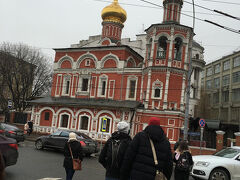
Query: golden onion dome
point(114, 13)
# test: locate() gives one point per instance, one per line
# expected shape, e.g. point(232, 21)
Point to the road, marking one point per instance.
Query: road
point(40, 165)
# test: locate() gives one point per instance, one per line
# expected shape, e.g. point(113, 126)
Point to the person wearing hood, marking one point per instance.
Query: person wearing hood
point(138, 163)
point(112, 154)
point(76, 149)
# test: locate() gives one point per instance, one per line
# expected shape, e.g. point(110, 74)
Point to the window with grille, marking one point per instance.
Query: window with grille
point(209, 84)
point(217, 68)
point(217, 82)
point(236, 61)
point(226, 65)
point(209, 71)
point(226, 80)
point(236, 77)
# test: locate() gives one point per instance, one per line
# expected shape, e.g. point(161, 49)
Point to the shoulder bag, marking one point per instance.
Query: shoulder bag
point(77, 163)
point(159, 174)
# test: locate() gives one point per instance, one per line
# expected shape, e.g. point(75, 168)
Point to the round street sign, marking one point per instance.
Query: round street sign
point(202, 123)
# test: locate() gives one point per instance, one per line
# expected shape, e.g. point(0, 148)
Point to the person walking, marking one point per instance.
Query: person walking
point(111, 156)
point(76, 149)
point(30, 127)
point(138, 163)
point(183, 160)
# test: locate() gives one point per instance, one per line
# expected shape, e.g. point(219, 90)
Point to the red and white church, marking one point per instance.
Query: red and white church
point(107, 77)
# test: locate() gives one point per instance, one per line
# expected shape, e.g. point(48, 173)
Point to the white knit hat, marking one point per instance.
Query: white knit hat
point(123, 127)
point(72, 136)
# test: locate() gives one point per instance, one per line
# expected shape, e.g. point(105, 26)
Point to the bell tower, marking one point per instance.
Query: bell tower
point(172, 11)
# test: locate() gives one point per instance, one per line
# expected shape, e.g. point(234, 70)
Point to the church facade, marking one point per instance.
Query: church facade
point(107, 79)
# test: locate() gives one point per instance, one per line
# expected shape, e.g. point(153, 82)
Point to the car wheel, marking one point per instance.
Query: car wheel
point(39, 145)
point(218, 174)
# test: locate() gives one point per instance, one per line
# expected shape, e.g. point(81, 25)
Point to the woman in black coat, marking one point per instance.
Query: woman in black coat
point(138, 162)
point(76, 148)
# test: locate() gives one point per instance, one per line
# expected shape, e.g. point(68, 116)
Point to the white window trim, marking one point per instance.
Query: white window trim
point(80, 122)
point(128, 87)
point(81, 77)
point(87, 62)
point(58, 84)
point(172, 133)
point(109, 88)
point(60, 120)
point(154, 86)
point(100, 122)
point(101, 79)
point(65, 79)
point(170, 123)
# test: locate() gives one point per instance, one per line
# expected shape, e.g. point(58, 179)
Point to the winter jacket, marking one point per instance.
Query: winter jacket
point(105, 157)
point(138, 162)
point(185, 155)
point(76, 151)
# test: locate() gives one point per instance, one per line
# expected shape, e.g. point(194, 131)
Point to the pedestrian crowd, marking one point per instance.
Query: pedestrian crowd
point(147, 156)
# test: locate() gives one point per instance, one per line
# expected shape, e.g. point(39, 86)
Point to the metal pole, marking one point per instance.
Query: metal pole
point(185, 132)
point(201, 138)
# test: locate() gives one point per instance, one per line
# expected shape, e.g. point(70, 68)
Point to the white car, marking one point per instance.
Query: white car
point(223, 165)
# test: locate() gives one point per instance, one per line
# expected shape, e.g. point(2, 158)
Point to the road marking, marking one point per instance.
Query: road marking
point(50, 178)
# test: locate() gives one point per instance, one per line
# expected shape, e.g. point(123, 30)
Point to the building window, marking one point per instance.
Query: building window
point(105, 124)
point(217, 68)
point(178, 49)
point(66, 85)
point(157, 93)
point(84, 122)
point(162, 47)
point(132, 89)
point(217, 82)
point(216, 97)
point(209, 84)
point(236, 61)
point(197, 56)
point(64, 121)
point(226, 80)
point(103, 90)
point(46, 116)
point(236, 77)
point(236, 94)
point(209, 71)
point(87, 62)
point(84, 84)
point(226, 65)
point(225, 96)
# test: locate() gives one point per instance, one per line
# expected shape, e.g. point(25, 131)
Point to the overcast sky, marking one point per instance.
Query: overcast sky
point(48, 24)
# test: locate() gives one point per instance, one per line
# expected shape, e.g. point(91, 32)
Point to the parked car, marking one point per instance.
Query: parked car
point(12, 131)
point(58, 139)
point(9, 150)
point(224, 164)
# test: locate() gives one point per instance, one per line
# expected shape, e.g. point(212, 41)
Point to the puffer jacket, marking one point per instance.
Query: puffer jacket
point(105, 157)
point(138, 162)
point(76, 151)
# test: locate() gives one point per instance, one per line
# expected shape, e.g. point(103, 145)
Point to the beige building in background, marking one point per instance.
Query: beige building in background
point(221, 92)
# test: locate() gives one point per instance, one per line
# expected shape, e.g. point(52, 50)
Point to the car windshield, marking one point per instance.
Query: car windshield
point(227, 153)
point(9, 127)
point(56, 133)
point(81, 135)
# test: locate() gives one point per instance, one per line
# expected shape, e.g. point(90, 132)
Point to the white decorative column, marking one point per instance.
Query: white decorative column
point(165, 102)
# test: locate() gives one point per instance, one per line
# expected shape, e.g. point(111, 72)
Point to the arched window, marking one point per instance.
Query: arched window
point(178, 49)
point(162, 47)
point(157, 89)
point(149, 48)
point(64, 121)
point(84, 123)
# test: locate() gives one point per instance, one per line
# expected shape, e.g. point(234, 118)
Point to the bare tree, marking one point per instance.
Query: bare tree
point(25, 73)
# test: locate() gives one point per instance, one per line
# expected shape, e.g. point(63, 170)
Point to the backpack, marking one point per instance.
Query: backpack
point(115, 145)
point(183, 163)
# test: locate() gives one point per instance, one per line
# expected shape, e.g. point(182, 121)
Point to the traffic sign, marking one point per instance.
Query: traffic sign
point(9, 103)
point(202, 123)
point(104, 124)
